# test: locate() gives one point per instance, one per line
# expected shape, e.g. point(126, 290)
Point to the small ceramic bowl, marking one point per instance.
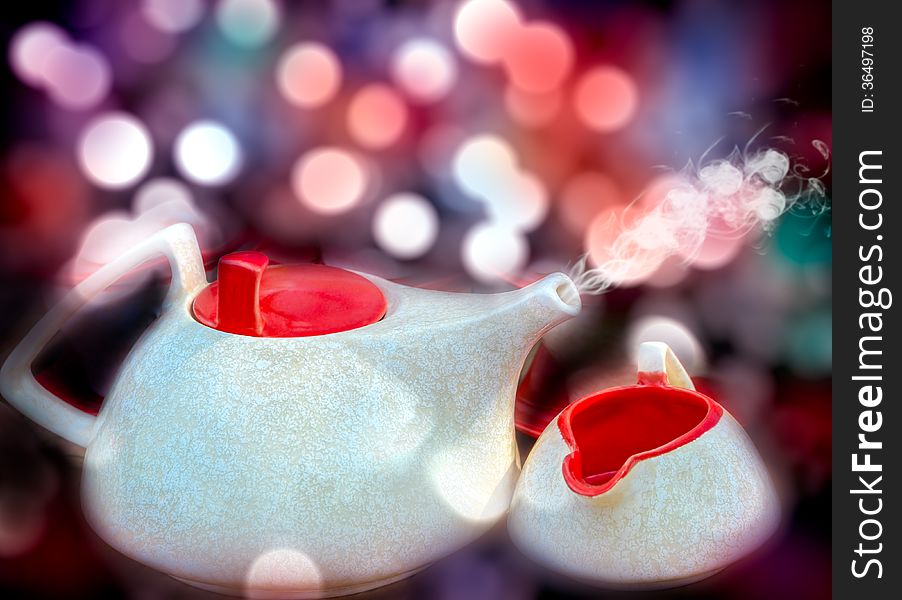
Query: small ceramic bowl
point(647, 486)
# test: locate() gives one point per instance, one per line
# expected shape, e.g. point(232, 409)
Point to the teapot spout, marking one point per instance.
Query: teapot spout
point(552, 300)
point(523, 316)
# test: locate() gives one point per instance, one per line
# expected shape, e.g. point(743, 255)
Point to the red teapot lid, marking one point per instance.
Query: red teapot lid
point(253, 298)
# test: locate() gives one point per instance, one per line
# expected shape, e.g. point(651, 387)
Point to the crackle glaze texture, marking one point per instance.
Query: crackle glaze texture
point(370, 452)
point(672, 519)
point(299, 467)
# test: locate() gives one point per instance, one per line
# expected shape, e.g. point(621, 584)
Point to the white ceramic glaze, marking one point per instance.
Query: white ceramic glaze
point(670, 520)
point(303, 466)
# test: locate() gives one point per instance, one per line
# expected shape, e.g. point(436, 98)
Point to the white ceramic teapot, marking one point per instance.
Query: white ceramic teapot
point(273, 432)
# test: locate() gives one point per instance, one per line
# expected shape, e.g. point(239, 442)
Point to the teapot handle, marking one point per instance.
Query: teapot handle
point(658, 365)
point(17, 382)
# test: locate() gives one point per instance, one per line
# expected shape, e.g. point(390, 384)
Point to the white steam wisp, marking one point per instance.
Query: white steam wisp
point(723, 199)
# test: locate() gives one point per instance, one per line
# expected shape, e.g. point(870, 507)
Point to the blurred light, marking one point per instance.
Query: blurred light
point(482, 500)
point(522, 202)
point(809, 345)
point(715, 252)
point(248, 22)
point(376, 116)
point(485, 167)
point(159, 192)
point(108, 237)
point(282, 570)
point(329, 180)
point(115, 150)
point(308, 75)
point(76, 76)
point(540, 59)
point(584, 196)
point(482, 164)
point(494, 253)
point(484, 29)
point(157, 204)
point(207, 153)
point(405, 226)
point(804, 240)
point(531, 110)
point(673, 333)
point(606, 98)
point(30, 47)
point(172, 16)
point(424, 69)
point(45, 203)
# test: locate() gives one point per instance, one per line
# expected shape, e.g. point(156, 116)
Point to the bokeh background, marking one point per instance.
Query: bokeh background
point(453, 145)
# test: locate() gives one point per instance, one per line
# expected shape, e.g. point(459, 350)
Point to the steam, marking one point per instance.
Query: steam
point(723, 198)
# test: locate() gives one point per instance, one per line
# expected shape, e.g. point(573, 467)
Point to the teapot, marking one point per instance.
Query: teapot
point(647, 486)
point(297, 430)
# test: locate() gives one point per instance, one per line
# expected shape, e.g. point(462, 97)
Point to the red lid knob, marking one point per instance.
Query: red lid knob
point(256, 299)
point(240, 274)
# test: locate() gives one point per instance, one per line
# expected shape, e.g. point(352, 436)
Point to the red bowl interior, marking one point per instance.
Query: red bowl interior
point(611, 431)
